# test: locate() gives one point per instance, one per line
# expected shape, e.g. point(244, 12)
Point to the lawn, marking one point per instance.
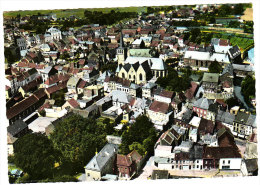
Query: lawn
point(76, 12)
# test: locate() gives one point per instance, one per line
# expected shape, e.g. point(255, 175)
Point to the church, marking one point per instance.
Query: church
point(138, 69)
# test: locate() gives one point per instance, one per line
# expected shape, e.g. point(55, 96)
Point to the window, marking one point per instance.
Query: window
point(130, 77)
point(172, 166)
point(223, 161)
point(123, 75)
point(228, 161)
point(140, 77)
point(88, 174)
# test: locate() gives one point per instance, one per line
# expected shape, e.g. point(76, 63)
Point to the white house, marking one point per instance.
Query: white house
point(230, 163)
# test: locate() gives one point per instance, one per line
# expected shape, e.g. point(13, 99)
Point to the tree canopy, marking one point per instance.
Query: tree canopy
point(248, 88)
point(174, 82)
point(35, 155)
point(78, 138)
point(215, 67)
point(140, 136)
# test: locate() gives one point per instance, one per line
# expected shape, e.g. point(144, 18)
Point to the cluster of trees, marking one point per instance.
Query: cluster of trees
point(140, 136)
point(248, 88)
point(35, 155)
point(98, 17)
point(248, 27)
point(226, 9)
point(109, 66)
point(78, 139)
point(11, 54)
point(65, 153)
point(174, 82)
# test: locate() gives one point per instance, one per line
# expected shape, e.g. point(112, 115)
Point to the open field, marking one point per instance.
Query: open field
point(248, 14)
point(69, 12)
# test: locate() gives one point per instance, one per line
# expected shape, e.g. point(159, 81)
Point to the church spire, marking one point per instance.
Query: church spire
point(121, 40)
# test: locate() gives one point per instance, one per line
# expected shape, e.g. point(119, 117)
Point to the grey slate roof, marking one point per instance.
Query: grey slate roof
point(17, 127)
point(99, 161)
point(228, 69)
point(203, 103)
point(210, 77)
point(225, 117)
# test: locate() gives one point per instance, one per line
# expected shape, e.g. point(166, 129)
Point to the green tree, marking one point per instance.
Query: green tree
point(35, 155)
point(231, 102)
point(78, 138)
point(59, 98)
point(138, 133)
point(248, 87)
point(215, 67)
point(138, 147)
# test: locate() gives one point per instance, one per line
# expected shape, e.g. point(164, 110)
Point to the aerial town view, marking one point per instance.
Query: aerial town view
point(134, 93)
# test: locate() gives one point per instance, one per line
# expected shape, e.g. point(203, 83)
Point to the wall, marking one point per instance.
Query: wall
point(235, 163)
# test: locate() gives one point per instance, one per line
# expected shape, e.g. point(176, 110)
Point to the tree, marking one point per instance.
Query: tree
point(59, 98)
point(248, 87)
point(138, 147)
point(140, 136)
point(215, 67)
point(35, 155)
point(231, 102)
point(78, 138)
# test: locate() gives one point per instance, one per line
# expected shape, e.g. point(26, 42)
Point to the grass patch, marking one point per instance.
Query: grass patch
point(68, 12)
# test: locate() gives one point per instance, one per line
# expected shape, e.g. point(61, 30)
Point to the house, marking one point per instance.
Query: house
point(102, 163)
point(201, 107)
point(18, 129)
point(47, 72)
point(26, 107)
point(94, 92)
point(223, 158)
point(226, 119)
point(244, 124)
point(71, 103)
point(135, 90)
point(210, 82)
point(234, 54)
point(125, 167)
point(53, 33)
point(10, 144)
point(206, 127)
point(41, 124)
point(147, 89)
point(190, 93)
point(162, 95)
point(159, 113)
point(72, 85)
point(195, 121)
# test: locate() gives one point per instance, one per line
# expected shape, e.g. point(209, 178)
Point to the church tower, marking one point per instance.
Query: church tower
point(121, 51)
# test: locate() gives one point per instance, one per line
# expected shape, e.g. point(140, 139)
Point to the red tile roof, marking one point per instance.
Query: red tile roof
point(82, 84)
point(157, 106)
point(73, 103)
point(167, 94)
point(21, 106)
point(221, 152)
point(123, 160)
point(135, 156)
point(189, 94)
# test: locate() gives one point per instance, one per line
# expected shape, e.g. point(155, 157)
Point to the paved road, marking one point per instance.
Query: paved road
point(237, 91)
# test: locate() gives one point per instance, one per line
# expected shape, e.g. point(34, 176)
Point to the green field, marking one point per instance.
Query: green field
point(69, 12)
